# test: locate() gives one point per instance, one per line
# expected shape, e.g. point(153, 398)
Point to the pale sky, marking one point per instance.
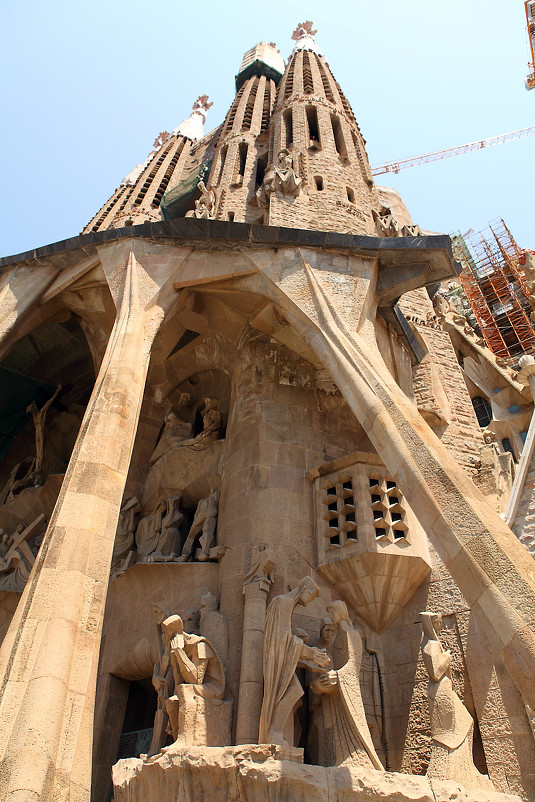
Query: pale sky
point(88, 86)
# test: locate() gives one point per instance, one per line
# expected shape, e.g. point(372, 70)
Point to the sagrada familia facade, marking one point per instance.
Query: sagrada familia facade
point(257, 541)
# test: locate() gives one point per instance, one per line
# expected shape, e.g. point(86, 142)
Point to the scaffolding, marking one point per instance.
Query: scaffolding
point(496, 289)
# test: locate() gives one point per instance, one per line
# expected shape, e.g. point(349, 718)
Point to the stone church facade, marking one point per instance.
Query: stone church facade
point(251, 540)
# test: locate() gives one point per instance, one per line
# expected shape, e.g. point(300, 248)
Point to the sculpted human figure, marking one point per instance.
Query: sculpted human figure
point(169, 540)
point(452, 726)
point(199, 680)
point(148, 530)
point(204, 523)
point(163, 681)
point(175, 430)
point(281, 177)
point(39, 416)
point(205, 205)
point(351, 741)
point(211, 423)
point(283, 651)
point(124, 539)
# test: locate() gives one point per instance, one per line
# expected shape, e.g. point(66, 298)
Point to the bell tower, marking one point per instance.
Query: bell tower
point(241, 156)
point(314, 122)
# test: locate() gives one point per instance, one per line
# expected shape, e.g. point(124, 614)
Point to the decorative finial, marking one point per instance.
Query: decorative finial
point(193, 126)
point(303, 29)
point(304, 38)
point(162, 137)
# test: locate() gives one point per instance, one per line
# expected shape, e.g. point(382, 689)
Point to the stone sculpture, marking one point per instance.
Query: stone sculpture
point(279, 178)
point(163, 681)
point(175, 430)
point(124, 539)
point(283, 652)
point(349, 741)
point(39, 416)
point(205, 205)
point(204, 524)
point(198, 713)
point(16, 555)
point(452, 726)
point(211, 421)
point(169, 540)
point(149, 529)
point(213, 626)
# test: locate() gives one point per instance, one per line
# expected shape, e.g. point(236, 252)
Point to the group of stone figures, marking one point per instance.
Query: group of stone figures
point(190, 680)
point(160, 536)
point(279, 177)
point(178, 430)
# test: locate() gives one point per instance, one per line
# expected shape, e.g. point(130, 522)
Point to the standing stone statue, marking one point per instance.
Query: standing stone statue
point(351, 742)
point(198, 713)
point(280, 177)
point(163, 681)
point(204, 523)
point(452, 726)
point(283, 651)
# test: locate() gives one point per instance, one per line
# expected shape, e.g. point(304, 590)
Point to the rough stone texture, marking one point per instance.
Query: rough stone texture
point(251, 774)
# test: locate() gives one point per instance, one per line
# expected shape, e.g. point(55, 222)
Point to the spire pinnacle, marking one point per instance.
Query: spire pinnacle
point(304, 38)
point(192, 127)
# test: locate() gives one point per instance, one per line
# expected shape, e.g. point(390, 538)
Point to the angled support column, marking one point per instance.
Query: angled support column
point(491, 568)
point(49, 658)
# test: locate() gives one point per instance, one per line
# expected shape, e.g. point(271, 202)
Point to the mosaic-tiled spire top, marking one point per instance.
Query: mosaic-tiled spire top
point(304, 38)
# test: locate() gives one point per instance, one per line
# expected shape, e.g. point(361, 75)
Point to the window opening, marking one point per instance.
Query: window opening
point(313, 128)
point(338, 137)
point(287, 118)
point(483, 410)
point(318, 180)
point(350, 195)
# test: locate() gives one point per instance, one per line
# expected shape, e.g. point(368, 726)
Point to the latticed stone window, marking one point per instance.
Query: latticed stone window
point(386, 499)
point(361, 499)
point(370, 545)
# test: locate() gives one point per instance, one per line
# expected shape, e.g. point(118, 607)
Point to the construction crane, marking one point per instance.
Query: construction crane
point(395, 167)
point(530, 19)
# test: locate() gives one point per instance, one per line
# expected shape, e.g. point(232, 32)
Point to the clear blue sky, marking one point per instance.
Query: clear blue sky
point(88, 85)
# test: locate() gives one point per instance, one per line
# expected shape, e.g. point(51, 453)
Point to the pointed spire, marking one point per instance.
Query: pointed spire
point(192, 127)
point(304, 38)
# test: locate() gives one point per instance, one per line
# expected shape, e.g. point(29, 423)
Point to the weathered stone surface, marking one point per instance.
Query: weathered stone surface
point(260, 773)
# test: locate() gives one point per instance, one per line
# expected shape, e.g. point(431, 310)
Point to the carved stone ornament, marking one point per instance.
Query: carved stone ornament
point(350, 741)
point(280, 178)
point(198, 712)
point(452, 726)
point(283, 652)
point(204, 525)
point(205, 205)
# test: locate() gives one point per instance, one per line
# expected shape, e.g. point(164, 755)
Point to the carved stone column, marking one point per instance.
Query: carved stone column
point(255, 589)
point(49, 658)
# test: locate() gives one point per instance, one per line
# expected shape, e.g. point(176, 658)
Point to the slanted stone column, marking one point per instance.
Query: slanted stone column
point(49, 658)
point(333, 306)
point(256, 586)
